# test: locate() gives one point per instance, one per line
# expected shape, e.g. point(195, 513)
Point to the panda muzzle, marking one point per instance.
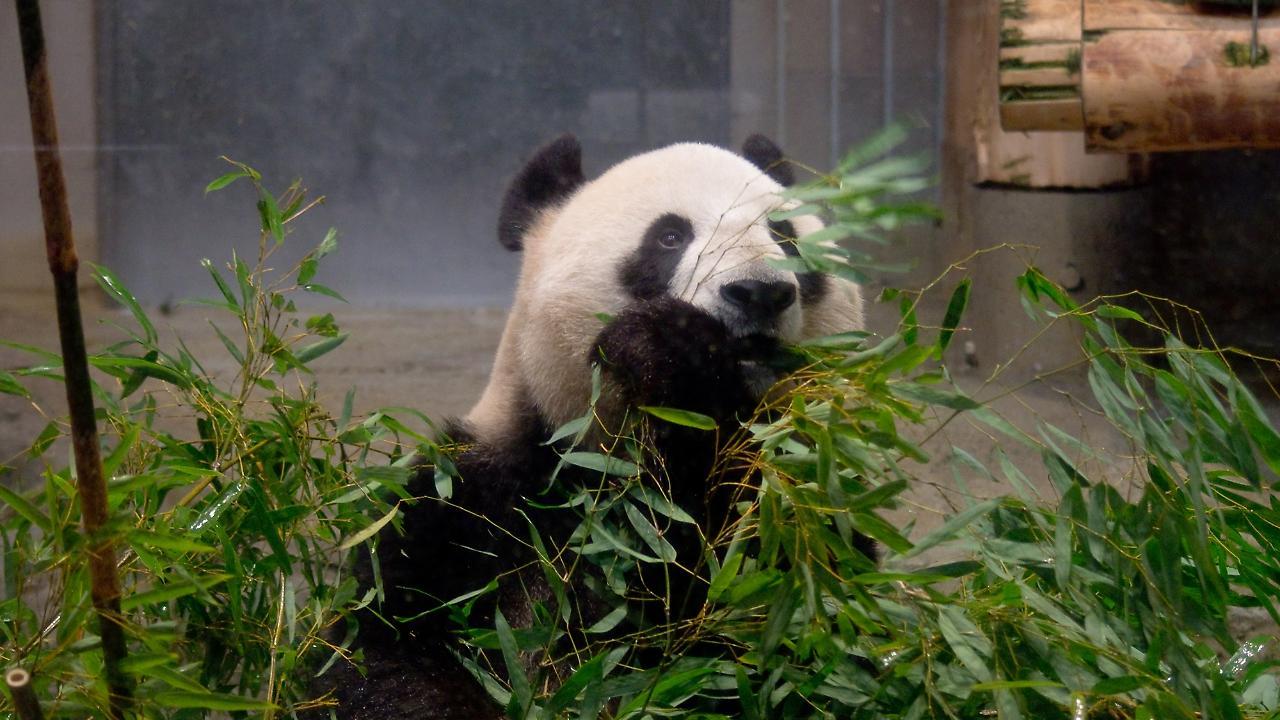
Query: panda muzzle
point(758, 300)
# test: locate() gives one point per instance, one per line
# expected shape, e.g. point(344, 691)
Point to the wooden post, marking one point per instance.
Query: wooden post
point(24, 698)
point(1000, 38)
point(63, 264)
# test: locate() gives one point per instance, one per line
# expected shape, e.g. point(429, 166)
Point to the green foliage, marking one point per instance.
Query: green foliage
point(1107, 598)
point(1091, 603)
point(235, 496)
point(231, 493)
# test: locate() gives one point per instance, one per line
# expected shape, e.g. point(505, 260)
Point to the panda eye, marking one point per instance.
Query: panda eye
point(671, 239)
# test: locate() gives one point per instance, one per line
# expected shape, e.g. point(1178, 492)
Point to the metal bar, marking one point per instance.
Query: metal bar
point(834, 117)
point(939, 112)
point(886, 65)
point(1253, 45)
point(60, 248)
point(780, 69)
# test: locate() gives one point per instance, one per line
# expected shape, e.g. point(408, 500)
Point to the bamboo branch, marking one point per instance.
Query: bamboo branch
point(24, 697)
point(63, 264)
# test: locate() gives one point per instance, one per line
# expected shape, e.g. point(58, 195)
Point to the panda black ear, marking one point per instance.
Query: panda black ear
point(550, 176)
point(762, 153)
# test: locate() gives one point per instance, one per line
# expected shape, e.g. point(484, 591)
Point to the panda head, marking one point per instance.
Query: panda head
point(690, 221)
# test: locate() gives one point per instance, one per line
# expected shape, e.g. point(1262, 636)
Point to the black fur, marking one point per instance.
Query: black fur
point(813, 286)
point(668, 352)
point(446, 550)
point(551, 175)
point(647, 272)
point(767, 156)
point(658, 351)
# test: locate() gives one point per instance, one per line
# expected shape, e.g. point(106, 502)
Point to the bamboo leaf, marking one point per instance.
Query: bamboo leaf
point(589, 673)
point(211, 701)
point(955, 310)
point(371, 529)
point(650, 534)
point(724, 576)
point(521, 691)
point(319, 289)
point(9, 385)
point(602, 463)
point(685, 418)
point(171, 591)
point(321, 347)
point(112, 286)
point(224, 180)
point(934, 396)
point(954, 525)
point(168, 542)
point(608, 622)
point(25, 508)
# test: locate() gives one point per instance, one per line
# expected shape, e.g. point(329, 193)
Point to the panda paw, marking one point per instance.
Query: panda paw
point(669, 352)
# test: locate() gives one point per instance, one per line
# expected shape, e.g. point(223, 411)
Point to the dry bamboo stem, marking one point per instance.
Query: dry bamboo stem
point(24, 698)
point(63, 264)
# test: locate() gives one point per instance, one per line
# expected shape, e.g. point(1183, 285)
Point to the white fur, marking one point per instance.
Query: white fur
point(570, 273)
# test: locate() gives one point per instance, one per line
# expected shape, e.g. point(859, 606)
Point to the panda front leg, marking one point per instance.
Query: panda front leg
point(448, 548)
point(669, 353)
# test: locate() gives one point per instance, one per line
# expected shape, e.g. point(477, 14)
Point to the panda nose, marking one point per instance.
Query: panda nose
point(759, 299)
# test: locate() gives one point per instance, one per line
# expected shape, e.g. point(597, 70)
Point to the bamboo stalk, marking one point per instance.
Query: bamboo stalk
point(63, 264)
point(24, 697)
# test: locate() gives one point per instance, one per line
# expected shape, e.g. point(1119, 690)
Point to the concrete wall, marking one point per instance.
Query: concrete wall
point(69, 31)
point(411, 115)
point(821, 75)
point(1211, 240)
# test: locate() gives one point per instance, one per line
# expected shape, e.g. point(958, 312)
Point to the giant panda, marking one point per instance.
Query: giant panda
point(659, 273)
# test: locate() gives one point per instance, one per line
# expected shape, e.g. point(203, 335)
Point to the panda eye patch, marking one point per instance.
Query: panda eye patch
point(669, 232)
point(648, 271)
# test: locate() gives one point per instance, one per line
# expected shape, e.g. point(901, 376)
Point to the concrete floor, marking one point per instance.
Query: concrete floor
point(437, 361)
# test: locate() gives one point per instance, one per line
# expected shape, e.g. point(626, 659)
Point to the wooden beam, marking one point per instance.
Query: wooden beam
point(1148, 90)
point(1038, 77)
point(1107, 15)
point(1035, 21)
point(1061, 115)
point(1065, 54)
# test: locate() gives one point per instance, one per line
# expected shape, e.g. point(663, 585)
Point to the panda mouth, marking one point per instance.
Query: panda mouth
point(759, 377)
point(753, 343)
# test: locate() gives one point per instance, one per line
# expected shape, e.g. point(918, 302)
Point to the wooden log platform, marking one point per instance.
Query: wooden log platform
point(1141, 75)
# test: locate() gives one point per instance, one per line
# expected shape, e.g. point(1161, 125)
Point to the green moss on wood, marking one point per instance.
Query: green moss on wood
point(1013, 9)
point(1239, 55)
point(1073, 62)
point(1016, 93)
